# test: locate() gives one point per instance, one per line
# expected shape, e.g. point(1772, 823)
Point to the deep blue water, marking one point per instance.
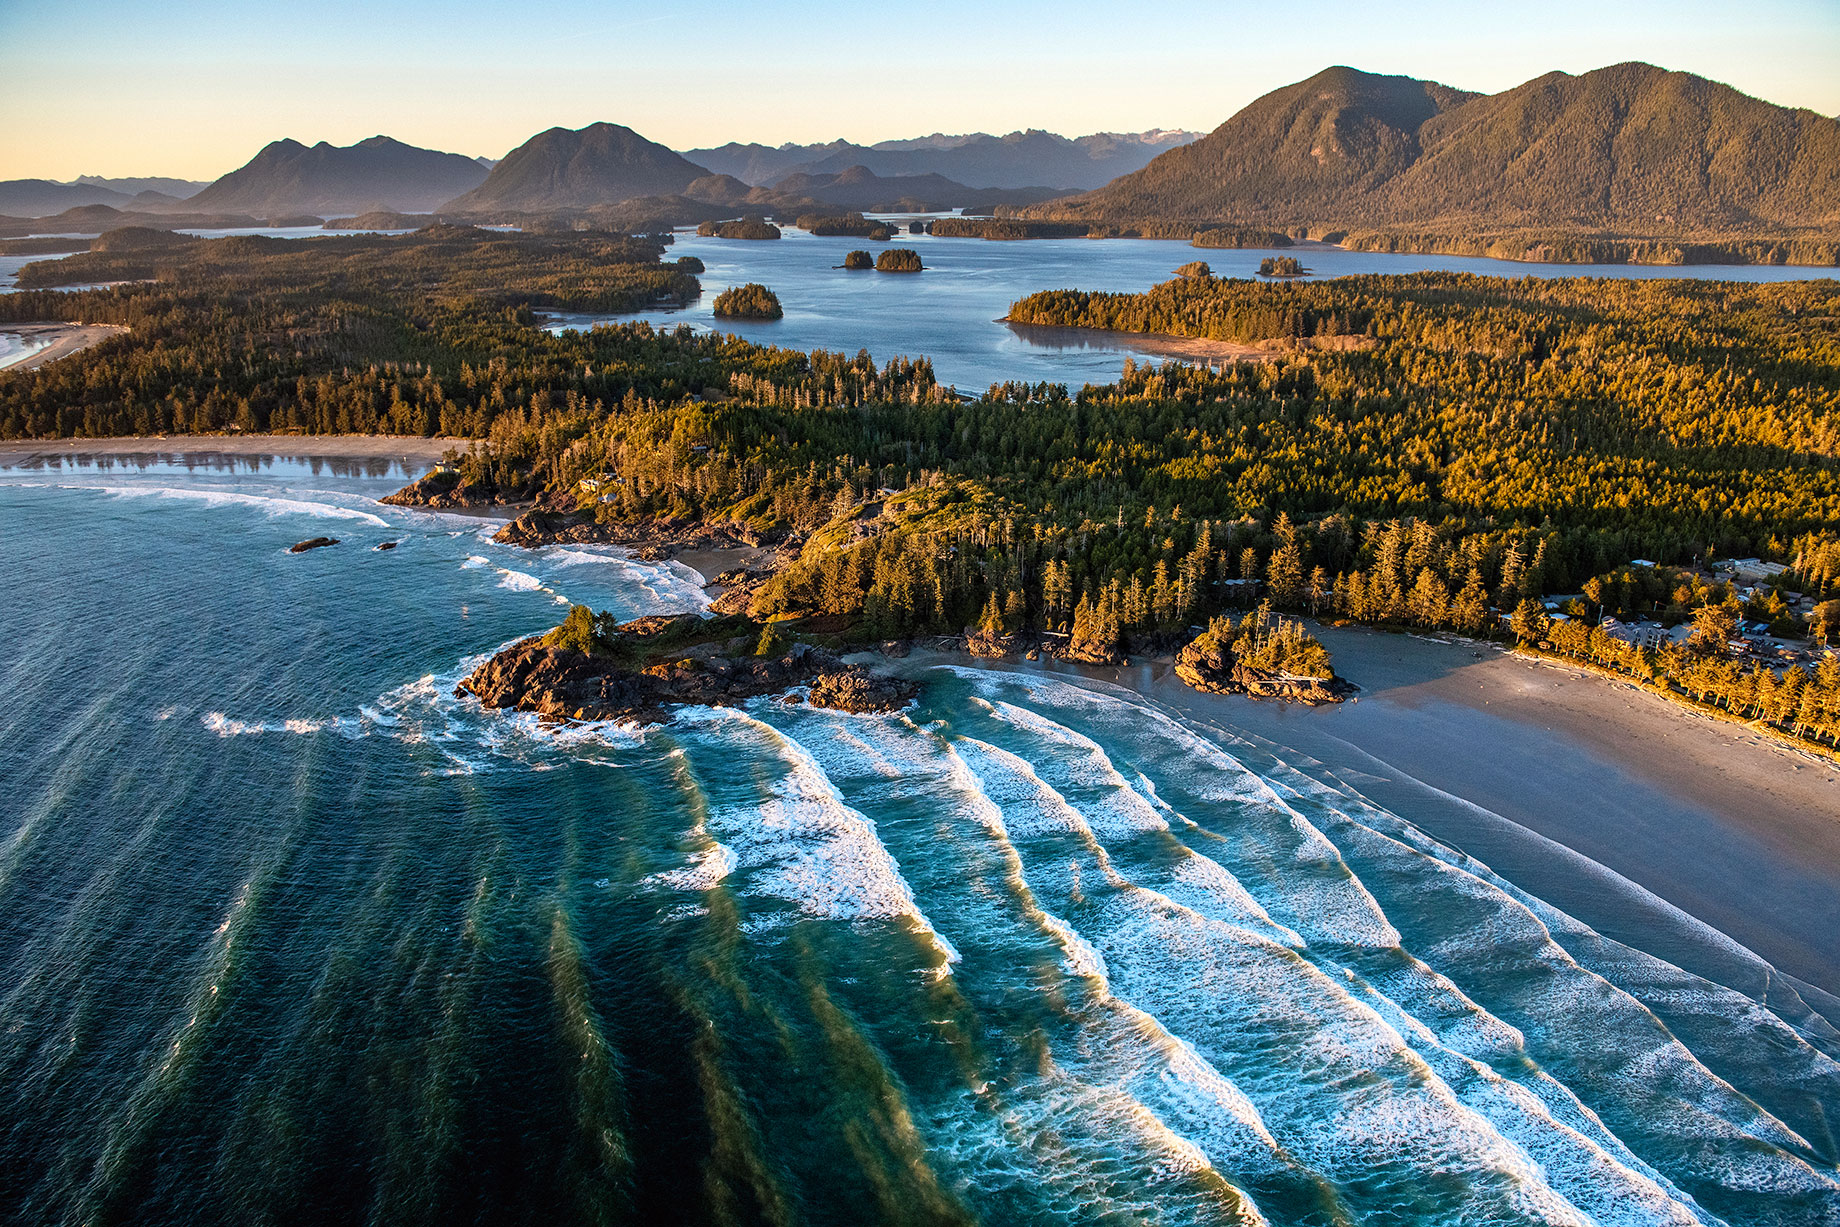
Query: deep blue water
point(290, 934)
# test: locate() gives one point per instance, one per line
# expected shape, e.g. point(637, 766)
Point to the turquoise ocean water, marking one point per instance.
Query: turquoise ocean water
point(290, 934)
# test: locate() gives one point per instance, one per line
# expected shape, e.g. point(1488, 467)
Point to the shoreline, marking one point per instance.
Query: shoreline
point(1551, 775)
point(66, 339)
point(1168, 345)
point(406, 448)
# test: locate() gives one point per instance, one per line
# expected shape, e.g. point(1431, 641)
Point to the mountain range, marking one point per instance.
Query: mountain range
point(379, 173)
point(1628, 154)
point(1630, 149)
point(1021, 159)
point(43, 197)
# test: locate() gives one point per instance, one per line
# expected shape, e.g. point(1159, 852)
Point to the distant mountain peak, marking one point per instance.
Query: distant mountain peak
point(560, 168)
point(1026, 157)
point(376, 173)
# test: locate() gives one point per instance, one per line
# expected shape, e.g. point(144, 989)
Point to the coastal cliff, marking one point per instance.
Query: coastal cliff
point(640, 669)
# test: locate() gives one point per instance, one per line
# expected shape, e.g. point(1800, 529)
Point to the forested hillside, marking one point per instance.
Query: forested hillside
point(1622, 154)
point(562, 169)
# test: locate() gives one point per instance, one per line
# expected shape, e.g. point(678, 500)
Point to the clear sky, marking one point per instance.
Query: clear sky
point(194, 88)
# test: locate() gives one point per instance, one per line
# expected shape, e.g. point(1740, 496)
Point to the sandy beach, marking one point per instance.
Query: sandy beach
point(66, 339)
point(1546, 772)
point(406, 449)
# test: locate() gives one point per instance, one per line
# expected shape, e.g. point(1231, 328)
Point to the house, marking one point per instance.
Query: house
point(1637, 634)
point(1753, 570)
point(597, 483)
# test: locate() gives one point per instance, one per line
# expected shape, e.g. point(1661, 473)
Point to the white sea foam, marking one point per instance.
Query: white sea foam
point(706, 870)
point(663, 587)
point(801, 842)
point(270, 505)
point(227, 726)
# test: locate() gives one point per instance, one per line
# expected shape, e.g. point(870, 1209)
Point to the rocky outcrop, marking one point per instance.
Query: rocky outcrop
point(1088, 652)
point(442, 489)
point(563, 683)
point(312, 543)
point(989, 644)
point(1210, 666)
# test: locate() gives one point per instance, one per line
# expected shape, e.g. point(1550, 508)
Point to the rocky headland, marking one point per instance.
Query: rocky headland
point(639, 670)
point(1261, 657)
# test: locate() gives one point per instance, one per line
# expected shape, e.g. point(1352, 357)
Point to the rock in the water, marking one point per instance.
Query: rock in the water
point(312, 543)
point(388, 545)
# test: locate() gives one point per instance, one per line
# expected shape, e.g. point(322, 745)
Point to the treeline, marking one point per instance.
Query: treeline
point(1194, 306)
point(853, 225)
point(746, 228)
point(1550, 247)
point(1801, 702)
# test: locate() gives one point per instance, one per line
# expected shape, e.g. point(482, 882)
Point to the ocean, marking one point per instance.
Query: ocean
point(289, 933)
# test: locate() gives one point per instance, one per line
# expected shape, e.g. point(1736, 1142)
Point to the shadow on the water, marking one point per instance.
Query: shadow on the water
point(206, 460)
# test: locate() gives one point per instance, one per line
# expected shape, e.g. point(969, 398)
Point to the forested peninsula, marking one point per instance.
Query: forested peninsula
point(1521, 459)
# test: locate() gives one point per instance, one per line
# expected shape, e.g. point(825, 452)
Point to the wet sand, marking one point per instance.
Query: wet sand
point(66, 339)
point(406, 449)
point(1548, 773)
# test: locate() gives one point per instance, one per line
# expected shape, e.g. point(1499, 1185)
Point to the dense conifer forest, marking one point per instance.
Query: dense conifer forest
point(1491, 442)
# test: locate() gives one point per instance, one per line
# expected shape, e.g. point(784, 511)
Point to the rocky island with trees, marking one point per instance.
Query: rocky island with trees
point(752, 301)
point(898, 260)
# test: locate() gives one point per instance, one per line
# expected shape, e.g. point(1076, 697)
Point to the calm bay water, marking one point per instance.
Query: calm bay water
point(288, 933)
point(948, 313)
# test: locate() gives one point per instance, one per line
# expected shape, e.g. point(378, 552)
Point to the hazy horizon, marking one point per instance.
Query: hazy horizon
point(138, 94)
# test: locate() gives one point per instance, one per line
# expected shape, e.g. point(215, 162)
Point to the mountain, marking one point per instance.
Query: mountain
point(379, 173)
point(1320, 142)
point(1630, 149)
point(859, 188)
point(43, 197)
point(562, 169)
point(177, 189)
point(978, 159)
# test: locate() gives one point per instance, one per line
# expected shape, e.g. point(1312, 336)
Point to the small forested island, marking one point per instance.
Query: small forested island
point(853, 225)
point(746, 228)
point(1281, 266)
point(1197, 269)
point(689, 264)
point(859, 260)
point(1262, 655)
point(752, 301)
point(898, 260)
